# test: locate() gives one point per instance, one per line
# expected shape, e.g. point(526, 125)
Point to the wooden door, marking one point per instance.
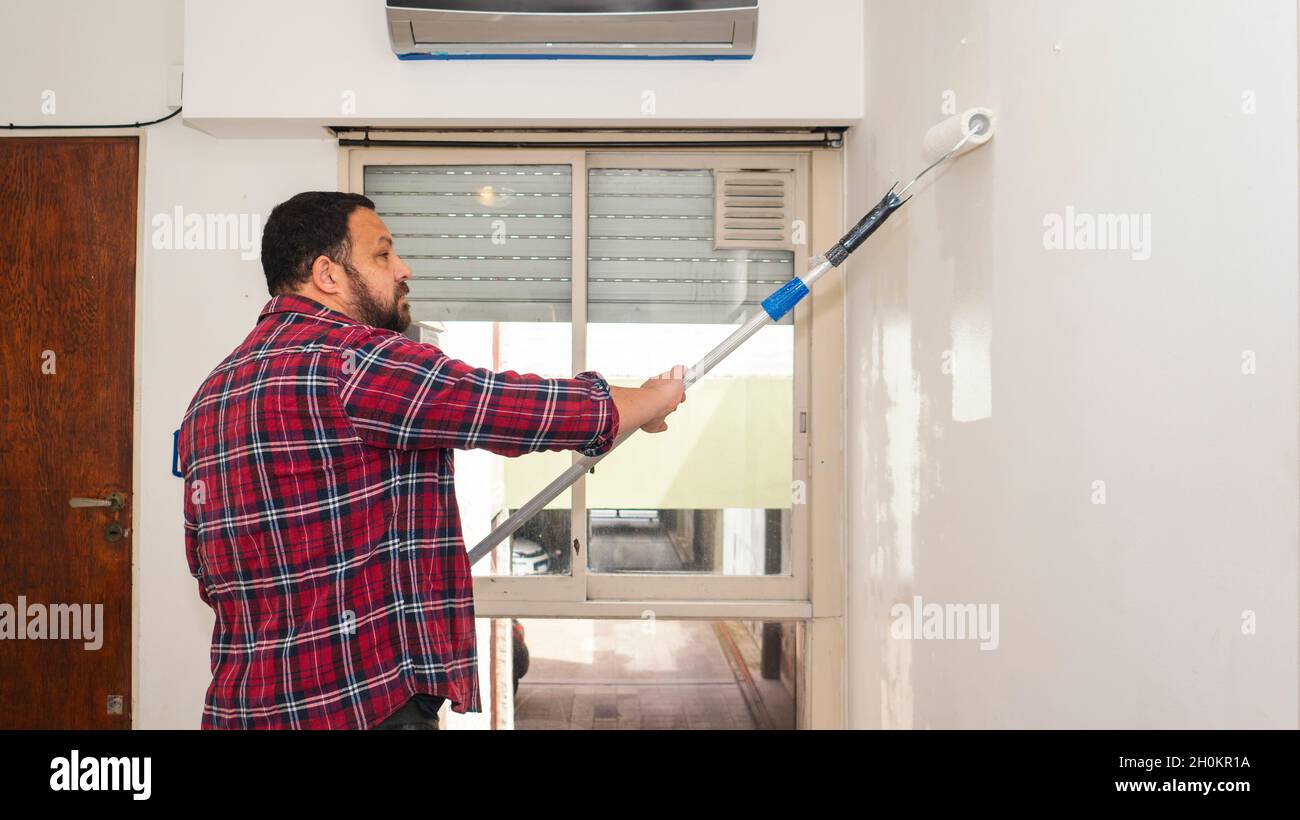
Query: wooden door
point(67, 329)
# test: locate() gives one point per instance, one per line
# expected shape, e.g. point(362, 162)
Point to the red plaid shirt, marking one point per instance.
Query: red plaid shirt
point(321, 518)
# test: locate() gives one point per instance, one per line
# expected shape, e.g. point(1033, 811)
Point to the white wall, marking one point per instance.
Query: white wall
point(258, 68)
point(1077, 366)
point(105, 61)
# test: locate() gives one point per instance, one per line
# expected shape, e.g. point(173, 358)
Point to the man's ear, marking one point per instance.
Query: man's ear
point(325, 275)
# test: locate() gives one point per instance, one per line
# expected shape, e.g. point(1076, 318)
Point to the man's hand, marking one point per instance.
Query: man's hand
point(670, 390)
point(650, 404)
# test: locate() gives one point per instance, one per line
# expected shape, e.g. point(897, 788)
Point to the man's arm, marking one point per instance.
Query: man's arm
point(407, 395)
point(190, 497)
point(192, 558)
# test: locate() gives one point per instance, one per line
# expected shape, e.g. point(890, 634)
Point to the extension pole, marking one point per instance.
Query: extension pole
point(975, 126)
point(774, 307)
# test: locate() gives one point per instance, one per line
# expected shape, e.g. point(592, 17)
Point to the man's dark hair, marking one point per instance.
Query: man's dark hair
point(311, 224)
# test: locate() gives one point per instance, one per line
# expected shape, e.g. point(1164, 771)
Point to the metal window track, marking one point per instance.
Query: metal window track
point(374, 137)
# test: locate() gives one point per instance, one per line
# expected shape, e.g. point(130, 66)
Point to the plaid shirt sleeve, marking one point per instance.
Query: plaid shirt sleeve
point(402, 394)
point(192, 552)
point(192, 529)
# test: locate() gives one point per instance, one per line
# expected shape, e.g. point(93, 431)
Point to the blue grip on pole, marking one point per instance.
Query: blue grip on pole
point(784, 298)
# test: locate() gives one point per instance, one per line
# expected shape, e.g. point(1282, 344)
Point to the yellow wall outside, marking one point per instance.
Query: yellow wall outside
point(729, 445)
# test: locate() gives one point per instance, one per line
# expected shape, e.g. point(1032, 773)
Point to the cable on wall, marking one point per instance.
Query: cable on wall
point(12, 127)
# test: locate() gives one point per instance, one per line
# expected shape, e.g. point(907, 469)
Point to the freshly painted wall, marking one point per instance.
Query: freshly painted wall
point(998, 383)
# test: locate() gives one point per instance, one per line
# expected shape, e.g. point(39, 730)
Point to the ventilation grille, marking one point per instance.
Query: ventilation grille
point(752, 210)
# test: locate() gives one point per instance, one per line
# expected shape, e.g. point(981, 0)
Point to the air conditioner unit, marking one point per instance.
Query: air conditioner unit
point(573, 29)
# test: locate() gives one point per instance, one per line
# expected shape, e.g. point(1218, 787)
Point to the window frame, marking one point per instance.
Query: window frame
point(582, 593)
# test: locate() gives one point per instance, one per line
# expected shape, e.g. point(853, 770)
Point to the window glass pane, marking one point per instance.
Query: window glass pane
point(490, 253)
point(713, 494)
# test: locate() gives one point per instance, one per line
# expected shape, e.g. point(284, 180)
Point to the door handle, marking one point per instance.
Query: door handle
point(114, 501)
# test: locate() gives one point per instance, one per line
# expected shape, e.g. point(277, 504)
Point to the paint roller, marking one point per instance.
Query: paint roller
point(951, 138)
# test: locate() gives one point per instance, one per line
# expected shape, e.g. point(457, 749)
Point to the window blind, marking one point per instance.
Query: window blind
point(484, 242)
point(494, 243)
point(652, 254)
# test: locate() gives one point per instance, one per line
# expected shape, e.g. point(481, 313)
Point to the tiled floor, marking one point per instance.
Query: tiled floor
point(603, 674)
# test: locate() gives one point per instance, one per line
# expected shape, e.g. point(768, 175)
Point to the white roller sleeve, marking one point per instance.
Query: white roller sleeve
point(940, 139)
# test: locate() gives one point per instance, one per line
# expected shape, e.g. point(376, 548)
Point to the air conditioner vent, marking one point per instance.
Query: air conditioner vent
point(583, 29)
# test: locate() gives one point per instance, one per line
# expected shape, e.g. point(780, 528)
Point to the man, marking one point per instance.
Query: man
point(320, 514)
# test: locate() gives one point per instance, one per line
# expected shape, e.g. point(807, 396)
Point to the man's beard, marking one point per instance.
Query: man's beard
point(367, 308)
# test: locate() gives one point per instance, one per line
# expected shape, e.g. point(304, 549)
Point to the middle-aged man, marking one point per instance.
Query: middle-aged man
point(320, 514)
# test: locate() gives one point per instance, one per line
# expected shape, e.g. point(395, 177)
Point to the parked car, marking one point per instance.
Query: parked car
point(528, 557)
